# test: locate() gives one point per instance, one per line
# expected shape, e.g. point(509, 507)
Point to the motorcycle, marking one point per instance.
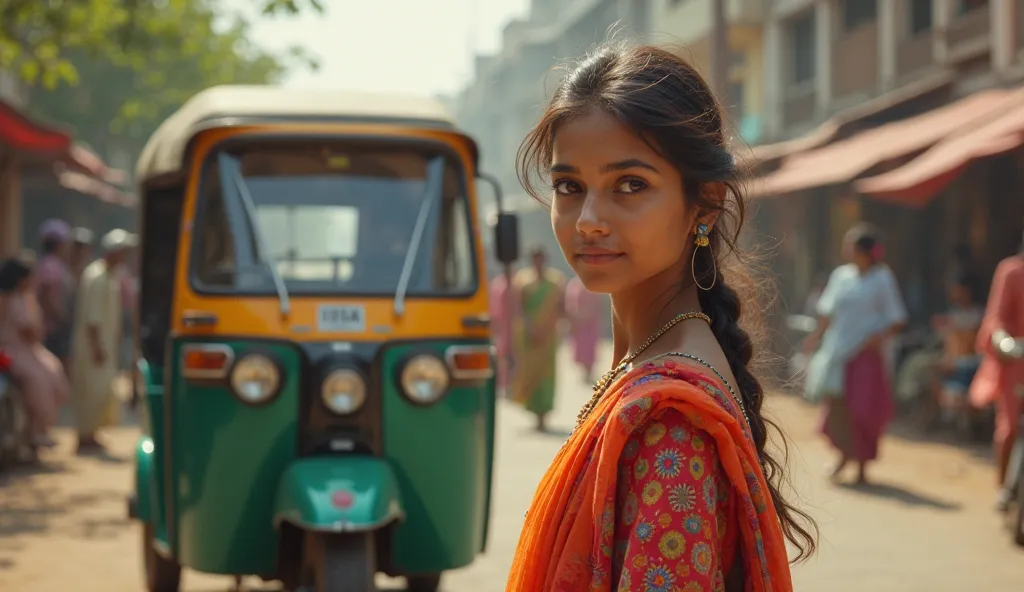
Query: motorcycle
point(15, 435)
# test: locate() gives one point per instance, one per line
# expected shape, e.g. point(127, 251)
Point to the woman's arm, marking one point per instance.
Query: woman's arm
point(671, 509)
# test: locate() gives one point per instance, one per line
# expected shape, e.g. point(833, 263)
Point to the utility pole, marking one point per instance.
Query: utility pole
point(720, 62)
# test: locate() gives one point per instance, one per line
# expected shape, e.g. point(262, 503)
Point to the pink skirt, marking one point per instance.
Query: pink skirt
point(855, 423)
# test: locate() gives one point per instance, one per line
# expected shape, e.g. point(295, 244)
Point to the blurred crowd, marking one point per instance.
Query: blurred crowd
point(65, 327)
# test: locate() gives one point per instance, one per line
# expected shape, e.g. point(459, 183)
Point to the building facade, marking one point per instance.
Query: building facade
point(826, 57)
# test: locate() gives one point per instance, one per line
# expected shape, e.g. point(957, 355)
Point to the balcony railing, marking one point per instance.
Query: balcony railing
point(914, 54)
point(968, 30)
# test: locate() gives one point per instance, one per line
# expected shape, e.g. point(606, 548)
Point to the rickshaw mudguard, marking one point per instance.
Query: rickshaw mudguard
point(338, 494)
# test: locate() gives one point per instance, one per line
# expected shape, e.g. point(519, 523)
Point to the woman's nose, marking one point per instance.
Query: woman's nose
point(591, 219)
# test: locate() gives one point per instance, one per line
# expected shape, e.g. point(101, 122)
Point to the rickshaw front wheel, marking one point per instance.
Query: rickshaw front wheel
point(162, 575)
point(339, 562)
point(423, 583)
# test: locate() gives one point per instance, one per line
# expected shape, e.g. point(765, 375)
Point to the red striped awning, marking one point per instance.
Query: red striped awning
point(20, 133)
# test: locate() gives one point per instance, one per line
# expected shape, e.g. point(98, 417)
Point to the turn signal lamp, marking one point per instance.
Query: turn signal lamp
point(470, 362)
point(206, 361)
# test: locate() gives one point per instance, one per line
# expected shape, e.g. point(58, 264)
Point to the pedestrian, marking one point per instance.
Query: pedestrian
point(502, 321)
point(859, 312)
point(37, 371)
point(661, 485)
point(540, 291)
point(55, 286)
point(97, 336)
point(998, 376)
point(81, 251)
point(585, 310)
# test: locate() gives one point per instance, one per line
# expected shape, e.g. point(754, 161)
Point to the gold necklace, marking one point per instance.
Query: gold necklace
point(606, 380)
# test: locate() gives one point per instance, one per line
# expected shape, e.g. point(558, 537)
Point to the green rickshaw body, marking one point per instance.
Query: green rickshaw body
point(224, 483)
point(236, 473)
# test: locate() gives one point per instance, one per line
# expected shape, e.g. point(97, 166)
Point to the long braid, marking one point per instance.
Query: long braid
point(723, 304)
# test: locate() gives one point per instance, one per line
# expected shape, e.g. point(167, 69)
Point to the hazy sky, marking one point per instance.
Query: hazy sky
point(418, 46)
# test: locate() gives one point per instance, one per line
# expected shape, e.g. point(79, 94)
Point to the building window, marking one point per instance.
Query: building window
point(801, 35)
point(965, 6)
point(859, 12)
point(920, 16)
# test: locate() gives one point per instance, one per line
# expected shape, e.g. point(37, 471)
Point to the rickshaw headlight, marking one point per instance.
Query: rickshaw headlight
point(425, 379)
point(255, 379)
point(343, 392)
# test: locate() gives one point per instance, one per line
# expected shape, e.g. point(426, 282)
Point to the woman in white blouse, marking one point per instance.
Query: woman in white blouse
point(859, 312)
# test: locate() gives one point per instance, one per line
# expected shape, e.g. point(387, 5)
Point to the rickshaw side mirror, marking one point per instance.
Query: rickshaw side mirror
point(506, 238)
point(506, 226)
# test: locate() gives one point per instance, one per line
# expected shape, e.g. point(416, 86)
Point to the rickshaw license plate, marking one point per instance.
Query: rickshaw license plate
point(337, 318)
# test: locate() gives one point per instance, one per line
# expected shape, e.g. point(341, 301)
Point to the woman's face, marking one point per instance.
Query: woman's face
point(854, 254)
point(618, 210)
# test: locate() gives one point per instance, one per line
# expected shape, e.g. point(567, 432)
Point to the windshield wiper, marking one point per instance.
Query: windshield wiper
point(262, 251)
point(435, 175)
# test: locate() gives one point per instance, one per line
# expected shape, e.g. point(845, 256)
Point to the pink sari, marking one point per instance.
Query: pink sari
point(37, 372)
point(503, 342)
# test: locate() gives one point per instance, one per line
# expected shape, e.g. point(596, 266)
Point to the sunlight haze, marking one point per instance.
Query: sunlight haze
point(389, 45)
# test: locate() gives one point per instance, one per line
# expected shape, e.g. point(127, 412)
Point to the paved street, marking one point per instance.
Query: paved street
point(927, 526)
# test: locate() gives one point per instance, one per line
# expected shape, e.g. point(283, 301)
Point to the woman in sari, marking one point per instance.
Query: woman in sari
point(38, 372)
point(540, 291)
point(859, 311)
point(500, 291)
point(666, 482)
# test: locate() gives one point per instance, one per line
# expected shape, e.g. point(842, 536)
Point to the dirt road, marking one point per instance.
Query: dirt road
point(927, 526)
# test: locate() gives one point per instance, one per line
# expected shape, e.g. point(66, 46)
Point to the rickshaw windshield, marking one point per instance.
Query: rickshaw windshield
point(333, 219)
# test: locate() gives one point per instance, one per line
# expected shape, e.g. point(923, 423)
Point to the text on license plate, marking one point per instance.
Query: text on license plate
point(339, 318)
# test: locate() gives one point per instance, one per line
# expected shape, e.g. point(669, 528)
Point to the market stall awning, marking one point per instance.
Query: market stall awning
point(918, 181)
point(21, 134)
point(91, 186)
point(829, 130)
point(86, 161)
point(843, 161)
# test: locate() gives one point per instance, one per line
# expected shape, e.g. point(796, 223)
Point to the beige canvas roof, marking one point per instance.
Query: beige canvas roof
point(227, 105)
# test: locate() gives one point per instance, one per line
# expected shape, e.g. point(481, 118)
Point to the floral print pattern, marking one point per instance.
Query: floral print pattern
point(676, 522)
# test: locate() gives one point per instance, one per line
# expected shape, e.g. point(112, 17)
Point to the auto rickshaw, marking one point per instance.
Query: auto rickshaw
point(314, 355)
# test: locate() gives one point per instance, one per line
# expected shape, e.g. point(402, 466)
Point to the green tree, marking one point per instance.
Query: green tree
point(38, 36)
point(116, 100)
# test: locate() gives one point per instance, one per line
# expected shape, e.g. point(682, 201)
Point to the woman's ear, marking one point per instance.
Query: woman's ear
point(712, 193)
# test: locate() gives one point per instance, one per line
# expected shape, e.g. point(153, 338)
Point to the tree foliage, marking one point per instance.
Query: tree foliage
point(36, 35)
point(114, 69)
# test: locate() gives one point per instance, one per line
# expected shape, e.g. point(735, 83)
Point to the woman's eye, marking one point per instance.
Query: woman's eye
point(566, 187)
point(633, 185)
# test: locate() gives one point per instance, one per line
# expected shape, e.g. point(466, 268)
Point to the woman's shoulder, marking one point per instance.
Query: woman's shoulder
point(656, 382)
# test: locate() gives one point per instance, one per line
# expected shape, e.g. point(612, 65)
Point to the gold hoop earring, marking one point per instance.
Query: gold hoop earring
point(702, 240)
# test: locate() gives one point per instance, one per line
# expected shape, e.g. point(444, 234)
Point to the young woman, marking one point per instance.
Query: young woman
point(859, 311)
point(540, 291)
point(38, 372)
point(665, 484)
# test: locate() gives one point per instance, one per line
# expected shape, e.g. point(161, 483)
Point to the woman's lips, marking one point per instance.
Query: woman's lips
point(598, 257)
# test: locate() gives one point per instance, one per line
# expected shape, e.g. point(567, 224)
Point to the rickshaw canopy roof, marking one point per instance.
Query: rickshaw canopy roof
point(223, 106)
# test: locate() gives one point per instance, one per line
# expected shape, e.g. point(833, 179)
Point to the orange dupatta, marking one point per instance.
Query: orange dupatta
point(566, 543)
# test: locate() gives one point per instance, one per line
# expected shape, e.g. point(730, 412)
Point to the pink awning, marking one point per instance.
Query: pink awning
point(921, 179)
point(843, 161)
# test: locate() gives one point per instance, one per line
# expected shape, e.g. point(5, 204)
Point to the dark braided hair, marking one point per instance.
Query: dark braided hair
point(666, 103)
